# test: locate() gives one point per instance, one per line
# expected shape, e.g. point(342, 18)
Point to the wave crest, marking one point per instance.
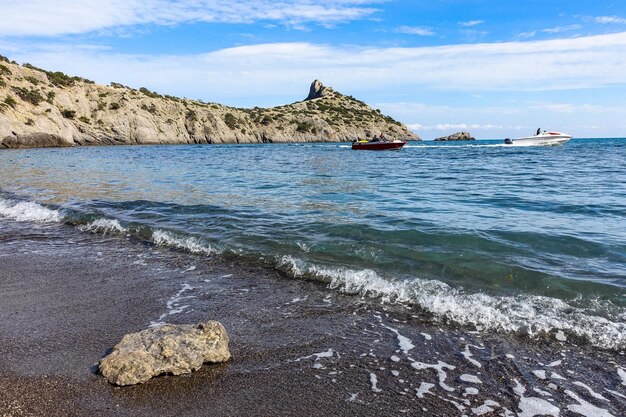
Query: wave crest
point(530, 315)
point(190, 244)
point(26, 211)
point(103, 226)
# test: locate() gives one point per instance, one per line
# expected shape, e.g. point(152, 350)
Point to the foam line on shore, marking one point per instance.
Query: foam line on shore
point(524, 314)
point(530, 315)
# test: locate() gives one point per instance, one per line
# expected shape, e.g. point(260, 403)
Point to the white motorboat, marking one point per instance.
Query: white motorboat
point(542, 139)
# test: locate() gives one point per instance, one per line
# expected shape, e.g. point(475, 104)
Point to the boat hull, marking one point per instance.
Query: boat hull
point(546, 139)
point(377, 146)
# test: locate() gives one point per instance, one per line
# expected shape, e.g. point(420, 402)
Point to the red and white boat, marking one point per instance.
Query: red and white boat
point(377, 146)
point(542, 139)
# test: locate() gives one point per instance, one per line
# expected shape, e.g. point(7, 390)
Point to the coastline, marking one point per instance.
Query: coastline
point(50, 109)
point(297, 348)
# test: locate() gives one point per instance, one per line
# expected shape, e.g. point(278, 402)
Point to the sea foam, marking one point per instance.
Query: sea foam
point(531, 315)
point(103, 226)
point(188, 243)
point(26, 211)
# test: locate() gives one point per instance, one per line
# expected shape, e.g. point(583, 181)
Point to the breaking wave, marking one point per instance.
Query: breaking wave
point(104, 226)
point(26, 211)
point(529, 315)
point(187, 243)
point(525, 314)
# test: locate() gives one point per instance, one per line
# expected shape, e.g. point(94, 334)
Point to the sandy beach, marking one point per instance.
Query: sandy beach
point(68, 297)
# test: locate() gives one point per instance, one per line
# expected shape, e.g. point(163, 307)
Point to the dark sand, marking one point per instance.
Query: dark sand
point(68, 297)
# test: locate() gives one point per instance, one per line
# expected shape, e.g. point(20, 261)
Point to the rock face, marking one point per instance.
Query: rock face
point(456, 136)
point(318, 90)
point(40, 108)
point(168, 349)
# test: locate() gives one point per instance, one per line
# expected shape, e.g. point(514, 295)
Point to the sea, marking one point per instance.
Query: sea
point(514, 240)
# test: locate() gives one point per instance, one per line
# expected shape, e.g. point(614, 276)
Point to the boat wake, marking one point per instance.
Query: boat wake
point(490, 145)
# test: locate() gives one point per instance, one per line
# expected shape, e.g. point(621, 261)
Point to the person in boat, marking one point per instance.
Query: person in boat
point(375, 139)
point(538, 132)
point(383, 138)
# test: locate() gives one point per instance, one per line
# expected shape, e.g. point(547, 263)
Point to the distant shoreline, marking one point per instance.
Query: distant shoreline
point(42, 108)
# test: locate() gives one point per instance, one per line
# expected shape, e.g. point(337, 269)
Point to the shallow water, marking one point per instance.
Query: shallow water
point(504, 238)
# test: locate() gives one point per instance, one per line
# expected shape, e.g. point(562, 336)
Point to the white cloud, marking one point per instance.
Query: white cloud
point(610, 19)
point(556, 29)
point(62, 17)
point(559, 29)
point(277, 71)
point(506, 119)
point(415, 30)
point(471, 23)
point(451, 127)
point(527, 35)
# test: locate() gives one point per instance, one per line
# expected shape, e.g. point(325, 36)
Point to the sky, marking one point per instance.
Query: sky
point(495, 68)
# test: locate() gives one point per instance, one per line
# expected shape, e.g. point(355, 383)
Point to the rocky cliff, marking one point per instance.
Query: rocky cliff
point(40, 108)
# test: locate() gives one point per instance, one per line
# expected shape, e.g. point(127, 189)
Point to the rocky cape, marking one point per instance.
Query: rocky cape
point(456, 136)
point(40, 108)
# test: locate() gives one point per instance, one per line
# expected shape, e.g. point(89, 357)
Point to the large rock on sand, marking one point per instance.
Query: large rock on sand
point(168, 349)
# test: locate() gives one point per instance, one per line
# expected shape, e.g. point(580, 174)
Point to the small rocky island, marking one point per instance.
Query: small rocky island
point(40, 108)
point(455, 137)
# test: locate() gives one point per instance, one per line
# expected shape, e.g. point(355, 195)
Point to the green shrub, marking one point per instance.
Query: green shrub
point(4, 58)
point(31, 96)
point(303, 127)
point(31, 66)
point(31, 79)
point(84, 119)
point(151, 109)
point(231, 121)
point(266, 120)
point(4, 70)
point(68, 114)
point(149, 93)
point(114, 106)
point(29, 122)
point(61, 80)
point(51, 95)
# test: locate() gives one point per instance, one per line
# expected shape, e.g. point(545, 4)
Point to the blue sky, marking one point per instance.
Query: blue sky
point(495, 68)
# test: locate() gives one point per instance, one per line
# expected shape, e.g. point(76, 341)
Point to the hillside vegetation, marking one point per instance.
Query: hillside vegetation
point(40, 108)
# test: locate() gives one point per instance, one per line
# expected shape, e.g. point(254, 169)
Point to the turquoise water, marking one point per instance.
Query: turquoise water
point(478, 233)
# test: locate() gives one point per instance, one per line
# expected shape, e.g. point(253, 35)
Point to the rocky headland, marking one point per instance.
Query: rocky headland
point(40, 108)
point(456, 136)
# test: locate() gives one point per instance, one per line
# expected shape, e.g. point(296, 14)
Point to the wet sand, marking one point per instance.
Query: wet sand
point(298, 348)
